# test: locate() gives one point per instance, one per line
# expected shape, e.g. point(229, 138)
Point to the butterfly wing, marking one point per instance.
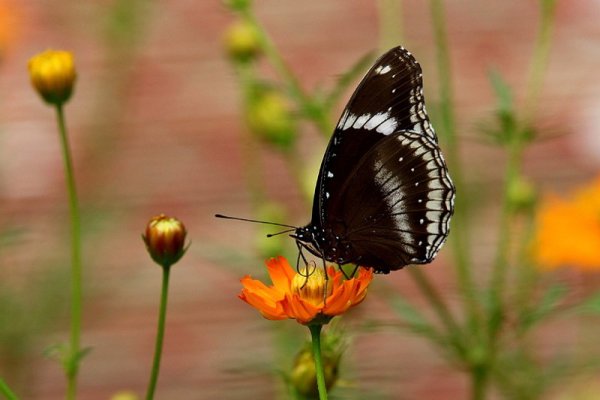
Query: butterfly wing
point(395, 207)
point(366, 192)
point(388, 99)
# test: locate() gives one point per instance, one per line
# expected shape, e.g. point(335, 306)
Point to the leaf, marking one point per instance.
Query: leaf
point(413, 319)
point(503, 91)
point(546, 307)
point(590, 305)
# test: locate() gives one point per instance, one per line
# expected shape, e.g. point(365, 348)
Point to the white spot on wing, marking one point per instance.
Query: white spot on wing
point(376, 120)
point(360, 121)
point(349, 121)
point(388, 127)
point(381, 70)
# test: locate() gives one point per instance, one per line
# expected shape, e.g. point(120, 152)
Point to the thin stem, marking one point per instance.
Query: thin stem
point(478, 383)
point(160, 333)
point(459, 238)
point(390, 22)
point(72, 363)
point(516, 148)
point(438, 305)
point(313, 111)
point(5, 390)
point(315, 333)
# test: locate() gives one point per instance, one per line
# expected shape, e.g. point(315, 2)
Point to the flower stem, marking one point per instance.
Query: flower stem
point(5, 390)
point(460, 235)
point(72, 362)
point(160, 333)
point(315, 333)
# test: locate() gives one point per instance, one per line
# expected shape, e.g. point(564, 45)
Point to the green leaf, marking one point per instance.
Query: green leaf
point(590, 305)
point(546, 307)
point(414, 320)
point(346, 79)
point(503, 91)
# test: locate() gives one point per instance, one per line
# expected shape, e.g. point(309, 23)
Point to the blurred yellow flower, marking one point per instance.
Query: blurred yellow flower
point(53, 74)
point(568, 230)
point(9, 24)
point(125, 395)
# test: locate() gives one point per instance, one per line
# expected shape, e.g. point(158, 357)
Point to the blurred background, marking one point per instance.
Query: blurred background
point(156, 127)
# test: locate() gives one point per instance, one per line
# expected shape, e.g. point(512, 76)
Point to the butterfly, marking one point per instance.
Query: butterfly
point(383, 197)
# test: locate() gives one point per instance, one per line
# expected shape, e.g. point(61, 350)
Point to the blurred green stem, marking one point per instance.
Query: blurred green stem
point(390, 22)
point(439, 306)
point(539, 60)
point(72, 363)
point(515, 152)
point(315, 333)
point(460, 233)
point(310, 108)
point(5, 390)
point(160, 333)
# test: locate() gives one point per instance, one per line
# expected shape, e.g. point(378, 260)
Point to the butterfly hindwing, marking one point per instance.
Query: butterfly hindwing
point(383, 197)
point(396, 204)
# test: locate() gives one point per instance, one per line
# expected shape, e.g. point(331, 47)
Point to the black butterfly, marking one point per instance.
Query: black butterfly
point(383, 197)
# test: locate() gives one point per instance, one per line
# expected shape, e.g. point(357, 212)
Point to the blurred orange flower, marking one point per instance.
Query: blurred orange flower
point(568, 230)
point(305, 295)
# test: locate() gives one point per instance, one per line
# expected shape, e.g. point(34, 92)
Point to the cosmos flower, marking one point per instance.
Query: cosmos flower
point(306, 296)
point(568, 230)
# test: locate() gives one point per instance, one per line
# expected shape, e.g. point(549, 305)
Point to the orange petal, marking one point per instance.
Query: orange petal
point(268, 309)
point(340, 299)
point(257, 287)
point(299, 309)
point(281, 273)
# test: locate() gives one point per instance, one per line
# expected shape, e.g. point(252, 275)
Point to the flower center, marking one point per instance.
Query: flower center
point(311, 285)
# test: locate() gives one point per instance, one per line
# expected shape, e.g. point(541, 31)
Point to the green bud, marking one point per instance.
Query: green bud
point(242, 41)
point(521, 194)
point(269, 117)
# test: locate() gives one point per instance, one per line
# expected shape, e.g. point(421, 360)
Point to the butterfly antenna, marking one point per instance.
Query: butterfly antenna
point(258, 222)
point(279, 233)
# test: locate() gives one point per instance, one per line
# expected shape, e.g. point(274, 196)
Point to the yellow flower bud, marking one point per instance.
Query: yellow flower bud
point(53, 75)
point(165, 240)
point(242, 41)
point(304, 376)
point(269, 117)
point(125, 395)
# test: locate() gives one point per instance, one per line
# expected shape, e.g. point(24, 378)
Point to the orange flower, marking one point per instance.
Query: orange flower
point(306, 295)
point(568, 231)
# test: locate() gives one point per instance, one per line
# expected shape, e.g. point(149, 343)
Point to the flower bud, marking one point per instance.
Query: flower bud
point(165, 240)
point(522, 195)
point(242, 41)
point(125, 395)
point(53, 75)
point(304, 375)
point(269, 117)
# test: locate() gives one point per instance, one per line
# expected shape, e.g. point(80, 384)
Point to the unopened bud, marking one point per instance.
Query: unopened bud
point(242, 41)
point(165, 240)
point(53, 75)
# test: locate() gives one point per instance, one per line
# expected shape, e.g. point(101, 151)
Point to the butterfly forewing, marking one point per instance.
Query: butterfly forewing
point(367, 199)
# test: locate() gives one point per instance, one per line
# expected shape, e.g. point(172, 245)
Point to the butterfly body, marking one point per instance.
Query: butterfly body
point(383, 197)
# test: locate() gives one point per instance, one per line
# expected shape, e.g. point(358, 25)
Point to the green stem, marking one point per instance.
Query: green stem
point(515, 155)
point(160, 333)
point(478, 382)
point(313, 111)
point(460, 234)
point(72, 364)
point(390, 22)
point(5, 390)
point(439, 306)
point(315, 333)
